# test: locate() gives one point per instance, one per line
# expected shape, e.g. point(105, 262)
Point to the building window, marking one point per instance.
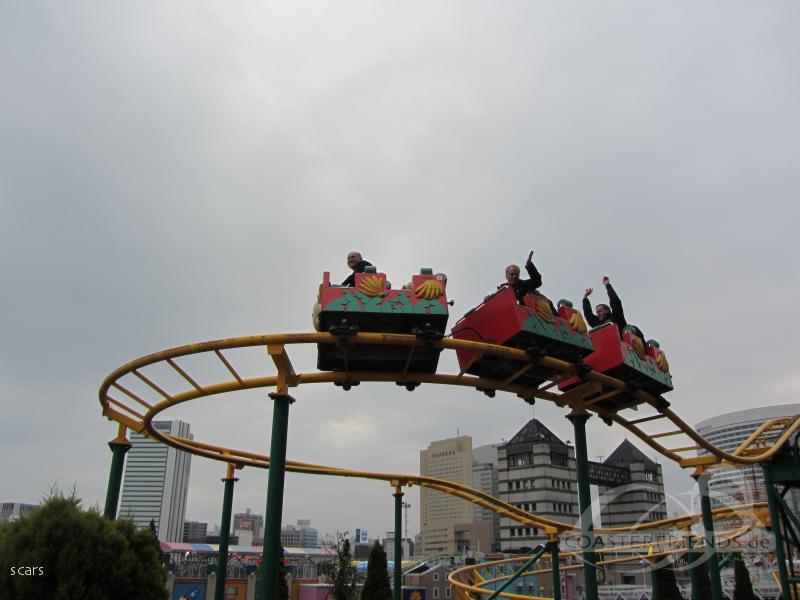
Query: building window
point(520, 460)
point(436, 592)
point(448, 592)
point(436, 577)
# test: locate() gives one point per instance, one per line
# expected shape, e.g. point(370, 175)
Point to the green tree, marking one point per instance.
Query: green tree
point(78, 554)
point(743, 587)
point(376, 585)
point(342, 572)
point(665, 584)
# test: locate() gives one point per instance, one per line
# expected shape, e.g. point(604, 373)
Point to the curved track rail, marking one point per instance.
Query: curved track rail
point(136, 411)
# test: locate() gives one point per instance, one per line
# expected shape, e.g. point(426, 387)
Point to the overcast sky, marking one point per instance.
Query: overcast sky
point(186, 171)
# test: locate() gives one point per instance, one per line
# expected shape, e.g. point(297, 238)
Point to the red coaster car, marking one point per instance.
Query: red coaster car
point(629, 360)
point(371, 306)
point(533, 326)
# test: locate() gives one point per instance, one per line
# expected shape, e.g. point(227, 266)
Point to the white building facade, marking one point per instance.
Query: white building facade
point(728, 431)
point(156, 483)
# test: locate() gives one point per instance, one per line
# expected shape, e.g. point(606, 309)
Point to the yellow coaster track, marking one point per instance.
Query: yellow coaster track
point(133, 411)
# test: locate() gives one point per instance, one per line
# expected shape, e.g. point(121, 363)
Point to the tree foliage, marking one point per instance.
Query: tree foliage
point(664, 581)
point(743, 587)
point(341, 571)
point(81, 554)
point(376, 585)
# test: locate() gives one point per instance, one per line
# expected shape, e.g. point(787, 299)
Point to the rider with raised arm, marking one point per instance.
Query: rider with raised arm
point(606, 313)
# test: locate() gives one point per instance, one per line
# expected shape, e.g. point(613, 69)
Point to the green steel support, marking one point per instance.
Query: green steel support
point(118, 450)
point(795, 543)
point(537, 555)
point(224, 534)
point(692, 561)
point(398, 543)
point(277, 471)
point(726, 560)
point(789, 514)
point(654, 587)
point(585, 502)
point(556, 567)
point(775, 525)
point(708, 526)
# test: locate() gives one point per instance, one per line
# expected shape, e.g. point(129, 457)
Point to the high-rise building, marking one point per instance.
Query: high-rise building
point(249, 521)
point(156, 482)
point(739, 485)
point(291, 537)
point(195, 532)
point(11, 511)
point(485, 479)
point(631, 491)
point(536, 472)
point(449, 459)
point(641, 498)
point(309, 537)
point(361, 536)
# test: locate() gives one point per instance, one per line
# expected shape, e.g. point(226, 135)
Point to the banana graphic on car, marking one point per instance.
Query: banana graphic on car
point(429, 289)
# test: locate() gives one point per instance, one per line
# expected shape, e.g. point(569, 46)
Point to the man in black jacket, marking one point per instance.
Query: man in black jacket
point(524, 286)
point(355, 262)
point(606, 313)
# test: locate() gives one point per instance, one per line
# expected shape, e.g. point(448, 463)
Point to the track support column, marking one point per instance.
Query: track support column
point(655, 576)
point(691, 564)
point(119, 448)
point(555, 567)
point(585, 501)
point(775, 525)
point(274, 512)
point(708, 526)
point(224, 533)
point(398, 541)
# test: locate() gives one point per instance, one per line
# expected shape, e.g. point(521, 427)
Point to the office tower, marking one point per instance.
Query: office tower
point(291, 537)
point(156, 482)
point(11, 511)
point(249, 521)
point(441, 513)
point(309, 536)
point(195, 532)
point(485, 478)
point(639, 498)
point(536, 472)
